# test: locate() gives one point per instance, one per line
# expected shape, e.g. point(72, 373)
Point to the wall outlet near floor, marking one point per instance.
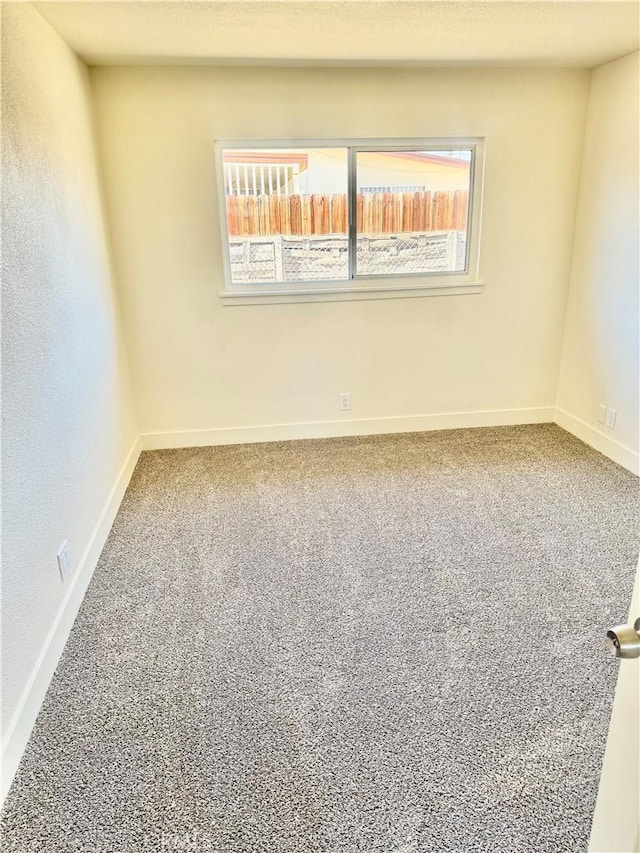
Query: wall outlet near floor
point(64, 560)
point(607, 416)
point(345, 401)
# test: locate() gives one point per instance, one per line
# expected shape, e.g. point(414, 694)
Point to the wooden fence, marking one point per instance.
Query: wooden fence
point(377, 213)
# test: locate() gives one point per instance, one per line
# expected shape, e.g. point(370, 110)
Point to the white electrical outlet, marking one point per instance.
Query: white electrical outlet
point(64, 560)
point(610, 418)
point(603, 414)
point(345, 401)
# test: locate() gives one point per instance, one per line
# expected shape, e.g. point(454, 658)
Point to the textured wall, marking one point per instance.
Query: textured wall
point(197, 364)
point(68, 420)
point(600, 356)
point(68, 417)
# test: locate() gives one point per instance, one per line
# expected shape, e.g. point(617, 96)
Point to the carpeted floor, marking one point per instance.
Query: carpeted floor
point(390, 644)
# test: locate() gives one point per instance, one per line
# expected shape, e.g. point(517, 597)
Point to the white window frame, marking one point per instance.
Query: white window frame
point(382, 286)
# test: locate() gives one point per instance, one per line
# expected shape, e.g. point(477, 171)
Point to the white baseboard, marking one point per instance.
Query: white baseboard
point(350, 426)
point(24, 718)
point(616, 451)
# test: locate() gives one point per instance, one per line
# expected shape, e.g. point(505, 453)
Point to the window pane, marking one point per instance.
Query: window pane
point(287, 215)
point(412, 211)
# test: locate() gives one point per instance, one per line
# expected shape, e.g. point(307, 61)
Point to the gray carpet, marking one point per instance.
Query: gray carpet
point(389, 643)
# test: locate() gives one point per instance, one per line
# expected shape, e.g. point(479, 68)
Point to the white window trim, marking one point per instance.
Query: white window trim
point(360, 287)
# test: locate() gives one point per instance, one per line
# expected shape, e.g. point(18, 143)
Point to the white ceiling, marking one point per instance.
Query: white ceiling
point(412, 32)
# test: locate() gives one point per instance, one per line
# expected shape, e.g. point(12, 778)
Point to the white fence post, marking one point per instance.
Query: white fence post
point(277, 254)
point(452, 249)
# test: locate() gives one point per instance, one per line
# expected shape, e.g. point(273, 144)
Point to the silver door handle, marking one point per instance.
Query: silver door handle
point(624, 640)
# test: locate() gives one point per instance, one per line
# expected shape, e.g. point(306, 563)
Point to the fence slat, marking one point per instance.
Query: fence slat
point(252, 215)
point(338, 211)
point(418, 212)
point(243, 216)
point(428, 213)
point(285, 214)
point(396, 219)
point(316, 214)
point(447, 211)
point(305, 215)
point(460, 203)
point(274, 213)
point(387, 213)
point(232, 215)
point(439, 211)
point(367, 214)
point(376, 218)
point(264, 214)
point(407, 212)
point(295, 213)
point(326, 215)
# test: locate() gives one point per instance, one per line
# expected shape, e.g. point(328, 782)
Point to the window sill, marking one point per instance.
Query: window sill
point(347, 293)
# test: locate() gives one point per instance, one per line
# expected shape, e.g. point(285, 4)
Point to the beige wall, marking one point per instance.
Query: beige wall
point(199, 365)
point(68, 421)
point(600, 355)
